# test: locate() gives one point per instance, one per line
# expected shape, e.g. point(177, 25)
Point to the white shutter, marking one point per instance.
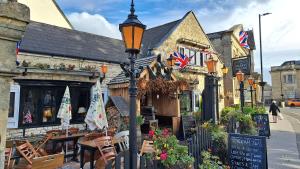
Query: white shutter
point(13, 118)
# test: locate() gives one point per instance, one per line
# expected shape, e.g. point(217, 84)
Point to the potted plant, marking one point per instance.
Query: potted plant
point(171, 154)
point(139, 122)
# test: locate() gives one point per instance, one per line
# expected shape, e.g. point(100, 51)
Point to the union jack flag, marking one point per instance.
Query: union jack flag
point(181, 60)
point(27, 118)
point(17, 52)
point(244, 39)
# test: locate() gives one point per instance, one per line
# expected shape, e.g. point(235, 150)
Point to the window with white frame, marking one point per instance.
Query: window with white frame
point(289, 79)
point(14, 104)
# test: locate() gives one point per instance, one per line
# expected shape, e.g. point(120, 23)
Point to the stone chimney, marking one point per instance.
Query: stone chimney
point(14, 18)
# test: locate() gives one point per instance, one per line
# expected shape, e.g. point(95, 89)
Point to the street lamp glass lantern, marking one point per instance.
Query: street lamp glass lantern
point(211, 65)
point(104, 69)
point(132, 33)
point(224, 70)
point(254, 86)
point(251, 81)
point(171, 61)
point(240, 76)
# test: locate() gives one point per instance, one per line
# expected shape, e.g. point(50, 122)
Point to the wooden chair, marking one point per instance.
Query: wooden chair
point(48, 145)
point(39, 146)
point(88, 137)
point(107, 151)
point(8, 163)
point(28, 152)
point(147, 147)
point(122, 138)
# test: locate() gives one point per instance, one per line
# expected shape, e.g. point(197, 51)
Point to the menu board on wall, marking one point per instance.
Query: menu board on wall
point(247, 152)
point(243, 64)
point(262, 123)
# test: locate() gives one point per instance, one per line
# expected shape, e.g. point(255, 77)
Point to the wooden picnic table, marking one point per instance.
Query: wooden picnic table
point(63, 139)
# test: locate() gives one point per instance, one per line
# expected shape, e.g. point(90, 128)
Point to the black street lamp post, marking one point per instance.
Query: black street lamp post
point(261, 83)
point(251, 83)
point(132, 32)
point(240, 78)
point(211, 91)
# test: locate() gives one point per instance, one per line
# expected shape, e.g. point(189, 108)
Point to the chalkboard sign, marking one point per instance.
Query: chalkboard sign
point(243, 64)
point(247, 152)
point(262, 123)
point(188, 126)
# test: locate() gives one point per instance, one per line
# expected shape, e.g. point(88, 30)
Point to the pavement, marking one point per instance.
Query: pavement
point(282, 146)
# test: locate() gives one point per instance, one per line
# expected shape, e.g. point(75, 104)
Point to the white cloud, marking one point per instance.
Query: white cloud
point(279, 30)
point(95, 24)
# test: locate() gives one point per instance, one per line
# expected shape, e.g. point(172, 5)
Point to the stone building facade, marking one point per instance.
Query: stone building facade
point(48, 65)
point(186, 36)
point(227, 44)
point(286, 80)
point(13, 20)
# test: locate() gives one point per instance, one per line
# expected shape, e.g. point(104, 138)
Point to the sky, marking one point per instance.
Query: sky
point(279, 30)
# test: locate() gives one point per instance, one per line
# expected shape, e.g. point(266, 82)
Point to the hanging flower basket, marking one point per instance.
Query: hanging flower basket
point(142, 84)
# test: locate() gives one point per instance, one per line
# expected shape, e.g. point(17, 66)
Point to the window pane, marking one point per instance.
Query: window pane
point(11, 104)
point(185, 102)
point(197, 100)
point(181, 51)
point(192, 56)
point(187, 52)
point(29, 106)
point(198, 59)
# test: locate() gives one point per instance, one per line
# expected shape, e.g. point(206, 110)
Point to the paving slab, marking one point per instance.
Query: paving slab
point(282, 146)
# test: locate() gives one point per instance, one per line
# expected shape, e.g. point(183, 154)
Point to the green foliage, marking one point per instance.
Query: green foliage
point(210, 161)
point(139, 120)
point(219, 140)
point(246, 125)
point(168, 146)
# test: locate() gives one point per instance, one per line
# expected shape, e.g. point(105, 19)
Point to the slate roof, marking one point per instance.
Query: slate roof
point(291, 62)
point(216, 35)
point(144, 62)
point(121, 105)
point(153, 36)
point(51, 40)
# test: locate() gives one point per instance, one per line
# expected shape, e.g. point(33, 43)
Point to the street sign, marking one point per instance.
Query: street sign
point(247, 152)
point(243, 64)
point(262, 123)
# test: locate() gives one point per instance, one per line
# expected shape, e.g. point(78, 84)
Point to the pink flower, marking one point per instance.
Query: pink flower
point(151, 133)
point(163, 156)
point(165, 132)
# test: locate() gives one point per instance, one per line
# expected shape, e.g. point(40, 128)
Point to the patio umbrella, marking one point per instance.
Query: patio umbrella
point(96, 116)
point(64, 112)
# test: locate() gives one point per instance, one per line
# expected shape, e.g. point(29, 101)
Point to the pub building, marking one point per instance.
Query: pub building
point(184, 36)
point(52, 58)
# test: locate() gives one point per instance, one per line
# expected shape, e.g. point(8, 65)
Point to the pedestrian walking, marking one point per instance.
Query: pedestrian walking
point(274, 109)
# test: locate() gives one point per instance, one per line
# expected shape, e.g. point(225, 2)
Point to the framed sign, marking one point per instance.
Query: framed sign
point(243, 64)
point(247, 152)
point(262, 123)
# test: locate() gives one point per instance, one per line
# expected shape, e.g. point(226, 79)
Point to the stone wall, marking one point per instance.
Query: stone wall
point(113, 69)
point(18, 133)
point(14, 18)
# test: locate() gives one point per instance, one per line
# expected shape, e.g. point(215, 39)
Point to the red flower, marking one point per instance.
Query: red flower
point(165, 132)
point(151, 133)
point(163, 156)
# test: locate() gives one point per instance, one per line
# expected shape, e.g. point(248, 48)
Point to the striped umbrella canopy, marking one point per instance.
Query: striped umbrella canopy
point(96, 116)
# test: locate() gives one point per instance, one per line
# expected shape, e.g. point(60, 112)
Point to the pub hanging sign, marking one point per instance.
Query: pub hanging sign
point(243, 64)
